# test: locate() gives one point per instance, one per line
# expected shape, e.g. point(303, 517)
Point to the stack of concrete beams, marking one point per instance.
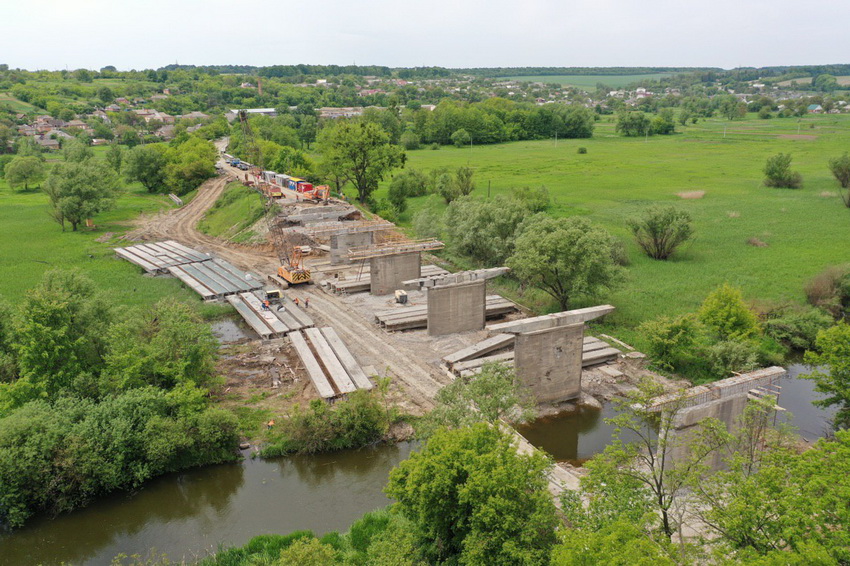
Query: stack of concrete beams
point(308, 216)
point(364, 282)
point(332, 369)
point(157, 257)
point(416, 316)
point(273, 323)
point(469, 361)
point(214, 279)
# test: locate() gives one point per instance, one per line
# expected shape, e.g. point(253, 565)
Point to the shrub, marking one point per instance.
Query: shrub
point(670, 341)
point(840, 168)
point(582, 150)
point(535, 199)
point(777, 171)
point(799, 328)
point(434, 146)
point(461, 138)
point(830, 290)
point(730, 356)
point(409, 140)
point(725, 313)
point(428, 223)
point(619, 253)
point(661, 229)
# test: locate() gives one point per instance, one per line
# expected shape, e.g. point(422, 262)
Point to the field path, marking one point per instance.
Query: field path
point(419, 381)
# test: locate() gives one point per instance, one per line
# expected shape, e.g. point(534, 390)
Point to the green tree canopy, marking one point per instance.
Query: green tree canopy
point(78, 191)
point(564, 257)
point(661, 229)
point(146, 164)
point(360, 151)
point(831, 358)
point(24, 171)
point(475, 500)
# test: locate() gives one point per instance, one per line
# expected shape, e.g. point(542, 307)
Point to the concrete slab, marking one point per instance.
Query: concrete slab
point(457, 308)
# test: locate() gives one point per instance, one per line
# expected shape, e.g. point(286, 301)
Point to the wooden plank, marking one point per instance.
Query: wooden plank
point(144, 264)
point(255, 322)
point(192, 282)
point(552, 320)
point(330, 361)
point(314, 370)
point(481, 348)
point(268, 316)
point(355, 372)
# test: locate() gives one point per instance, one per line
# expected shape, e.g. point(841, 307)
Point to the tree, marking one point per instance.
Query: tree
point(5, 138)
point(475, 500)
point(662, 462)
point(360, 151)
point(81, 190)
point(76, 151)
point(115, 156)
point(840, 168)
point(484, 230)
point(661, 229)
point(777, 171)
point(825, 83)
point(832, 374)
point(146, 164)
point(463, 182)
point(490, 396)
point(725, 312)
point(564, 257)
point(104, 93)
point(632, 124)
point(189, 164)
point(461, 138)
point(24, 171)
point(307, 130)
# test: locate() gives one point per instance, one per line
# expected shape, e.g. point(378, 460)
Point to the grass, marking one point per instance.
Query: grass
point(15, 105)
point(805, 230)
point(235, 211)
point(31, 243)
point(588, 81)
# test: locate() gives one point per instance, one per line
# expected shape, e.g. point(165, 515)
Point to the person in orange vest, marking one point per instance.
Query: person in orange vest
point(266, 305)
point(270, 424)
point(296, 301)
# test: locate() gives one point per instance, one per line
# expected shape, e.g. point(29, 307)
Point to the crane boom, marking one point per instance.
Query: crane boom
point(290, 256)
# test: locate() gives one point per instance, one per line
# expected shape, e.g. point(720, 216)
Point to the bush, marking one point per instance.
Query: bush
point(535, 199)
point(434, 146)
point(619, 253)
point(355, 422)
point(409, 140)
point(730, 356)
point(582, 150)
point(830, 290)
point(671, 341)
point(725, 313)
point(428, 223)
point(484, 230)
point(661, 229)
point(461, 138)
point(777, 171)
point(799, 328)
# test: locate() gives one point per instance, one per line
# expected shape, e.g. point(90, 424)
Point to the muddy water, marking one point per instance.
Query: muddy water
point(188, 515)
point(230, 330)
point(577, 435)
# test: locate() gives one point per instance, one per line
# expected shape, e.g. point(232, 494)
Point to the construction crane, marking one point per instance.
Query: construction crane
point(291, 257)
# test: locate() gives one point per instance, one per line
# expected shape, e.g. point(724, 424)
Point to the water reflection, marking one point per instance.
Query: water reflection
point(573, 436)
point(187, 515)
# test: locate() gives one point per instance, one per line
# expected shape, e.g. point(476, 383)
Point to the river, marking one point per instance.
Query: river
point(188, 515)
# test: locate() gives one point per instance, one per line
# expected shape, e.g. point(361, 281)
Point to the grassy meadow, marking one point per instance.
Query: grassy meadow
point(802, 230)
point(235, 211)
point(588, 81)
point(31, 243)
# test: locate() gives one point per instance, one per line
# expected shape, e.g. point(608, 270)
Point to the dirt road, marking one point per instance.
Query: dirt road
point(417, 381)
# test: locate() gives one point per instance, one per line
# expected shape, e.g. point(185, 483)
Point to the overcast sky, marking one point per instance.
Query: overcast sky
point(58, 34)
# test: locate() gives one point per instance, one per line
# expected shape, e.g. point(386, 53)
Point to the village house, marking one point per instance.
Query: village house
point(814, 109)
point(195, 116)
point(47, 142)
point(165, 133)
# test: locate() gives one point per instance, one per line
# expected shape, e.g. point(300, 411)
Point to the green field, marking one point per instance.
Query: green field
point(588, 81)
point(7, 100)
point(805, 230)
point(31, 243)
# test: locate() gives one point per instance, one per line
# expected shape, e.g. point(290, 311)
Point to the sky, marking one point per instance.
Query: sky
point(59, 34)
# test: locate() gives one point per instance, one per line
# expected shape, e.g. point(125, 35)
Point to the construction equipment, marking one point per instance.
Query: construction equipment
point(291, 256)
point(320, 193)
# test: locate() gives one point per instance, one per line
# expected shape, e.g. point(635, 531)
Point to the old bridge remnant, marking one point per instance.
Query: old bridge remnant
point(392, 263)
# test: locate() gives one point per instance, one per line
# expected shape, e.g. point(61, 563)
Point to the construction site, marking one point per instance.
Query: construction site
point(337, 299)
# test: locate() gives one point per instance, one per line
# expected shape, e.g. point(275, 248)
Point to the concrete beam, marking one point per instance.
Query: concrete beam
point(550, 320)
point(455, 278)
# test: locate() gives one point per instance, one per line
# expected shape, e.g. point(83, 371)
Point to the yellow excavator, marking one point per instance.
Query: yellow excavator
point(291, 257)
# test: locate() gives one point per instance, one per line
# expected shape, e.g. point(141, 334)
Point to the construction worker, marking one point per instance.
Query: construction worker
point(270, 424)
point(306, 302)
point(296, 301)
point(266, 305)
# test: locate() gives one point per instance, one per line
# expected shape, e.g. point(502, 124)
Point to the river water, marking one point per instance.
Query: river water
point(187, 515)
